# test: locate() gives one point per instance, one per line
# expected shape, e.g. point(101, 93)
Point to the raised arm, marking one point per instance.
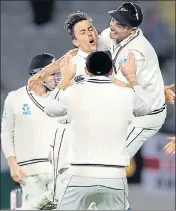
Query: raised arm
point(57, 102)
point(48, 70)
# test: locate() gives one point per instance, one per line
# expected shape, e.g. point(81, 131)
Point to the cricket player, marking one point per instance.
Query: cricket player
point(93, 175)
point(26, 133)
point(122, 36)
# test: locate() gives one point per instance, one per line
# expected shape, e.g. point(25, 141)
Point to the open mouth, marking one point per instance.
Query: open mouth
point(91, 41)
point(113, 32)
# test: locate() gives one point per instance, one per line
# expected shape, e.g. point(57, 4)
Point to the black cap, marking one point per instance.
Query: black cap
point(128, 14)
point(99, 63)
point(40, 61)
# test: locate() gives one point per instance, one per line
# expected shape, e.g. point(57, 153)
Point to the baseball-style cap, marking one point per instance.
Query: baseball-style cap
point(40, 61)
point(99, 63)
point(128, 14)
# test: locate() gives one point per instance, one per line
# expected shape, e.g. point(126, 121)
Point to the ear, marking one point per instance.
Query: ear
point(132, 30)
point(86, 71)
point(75, 43)
point(111, 71)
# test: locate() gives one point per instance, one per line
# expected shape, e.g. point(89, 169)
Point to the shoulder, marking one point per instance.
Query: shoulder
point(17, 91)
point(105, 34)
point(125, 90)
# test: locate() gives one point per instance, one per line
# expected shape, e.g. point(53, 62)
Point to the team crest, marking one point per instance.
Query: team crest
point(124, 60)
point(26, 109)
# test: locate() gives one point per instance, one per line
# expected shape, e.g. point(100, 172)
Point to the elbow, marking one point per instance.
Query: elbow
point(54, 110)
point(47, 111)
point(148, 107)
point(143, 109)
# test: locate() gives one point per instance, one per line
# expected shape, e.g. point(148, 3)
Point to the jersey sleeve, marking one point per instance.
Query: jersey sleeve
point(142, 104)
point(7, 128)
point(140, 59)
point(57, 103)
point(103, 40)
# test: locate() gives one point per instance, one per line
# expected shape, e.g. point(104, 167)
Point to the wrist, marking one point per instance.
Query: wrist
point(132, 81)
point(64, 83)
point(131, 77)
point(11, 161)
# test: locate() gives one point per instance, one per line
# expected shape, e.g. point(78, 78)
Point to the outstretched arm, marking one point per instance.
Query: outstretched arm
point(48, 70)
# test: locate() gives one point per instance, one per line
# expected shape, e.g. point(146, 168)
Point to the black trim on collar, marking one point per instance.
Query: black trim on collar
point(35, 101)
point(115, 58)
point(100, 81)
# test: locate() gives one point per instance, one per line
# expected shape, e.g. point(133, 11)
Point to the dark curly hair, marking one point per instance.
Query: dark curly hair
point(73, 19)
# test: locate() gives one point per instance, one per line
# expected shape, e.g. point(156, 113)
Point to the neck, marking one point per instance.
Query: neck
point(85, 51)
point(118, 41)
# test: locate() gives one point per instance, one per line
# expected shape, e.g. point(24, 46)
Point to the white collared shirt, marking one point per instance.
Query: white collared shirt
point(80, 61)
point(98, 113)
point(26, 131)
point(148, 70)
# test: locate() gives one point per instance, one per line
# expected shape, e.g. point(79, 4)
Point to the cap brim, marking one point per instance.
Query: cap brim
point(118, 17)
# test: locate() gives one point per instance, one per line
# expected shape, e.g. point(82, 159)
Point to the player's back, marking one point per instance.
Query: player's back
point(101, 112)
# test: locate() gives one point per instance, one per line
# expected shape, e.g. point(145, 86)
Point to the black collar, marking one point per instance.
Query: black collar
point(99, 79)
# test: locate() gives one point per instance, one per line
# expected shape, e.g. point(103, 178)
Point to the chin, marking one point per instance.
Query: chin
point(113, 36)
point(93, 48)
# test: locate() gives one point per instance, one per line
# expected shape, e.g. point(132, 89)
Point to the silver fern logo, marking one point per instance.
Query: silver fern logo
point(26, 109)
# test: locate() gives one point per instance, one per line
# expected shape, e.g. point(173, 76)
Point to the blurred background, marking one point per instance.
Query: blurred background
point(35, 26)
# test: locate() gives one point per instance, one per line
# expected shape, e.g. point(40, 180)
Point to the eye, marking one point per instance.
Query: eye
point(119, 26)
point(83, 32)
point(91, 29)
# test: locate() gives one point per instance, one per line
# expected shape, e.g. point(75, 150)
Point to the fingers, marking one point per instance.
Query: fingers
point(169, 151)
point(170, 147)
point(170, 86)
point(171, 138)
point(22, 172)
point(67, 59)
point(17, 177)
point(172, 93)
point(74, 52)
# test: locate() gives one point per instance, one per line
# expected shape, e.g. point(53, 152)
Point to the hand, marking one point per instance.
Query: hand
point(17, 173)
point(169, 148)
point(34, 80)
point(170, 95)
point(74, 51)
point(130, 67)
point(120, 83)
point(68, 69)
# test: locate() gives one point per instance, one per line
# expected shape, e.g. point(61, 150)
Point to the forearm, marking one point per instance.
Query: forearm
point(11, 160)
point(51, 68)
point(120, 83)
point(56, 66)
point(53, 108)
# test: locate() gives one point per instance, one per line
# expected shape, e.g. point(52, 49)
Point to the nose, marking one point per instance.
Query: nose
point(112, 24)
point(89, 33)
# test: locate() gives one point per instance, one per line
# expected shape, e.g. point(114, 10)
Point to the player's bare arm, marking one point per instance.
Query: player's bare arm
point(68, 72)
point(48, 70)
point(169, 93)
point(16, 171)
